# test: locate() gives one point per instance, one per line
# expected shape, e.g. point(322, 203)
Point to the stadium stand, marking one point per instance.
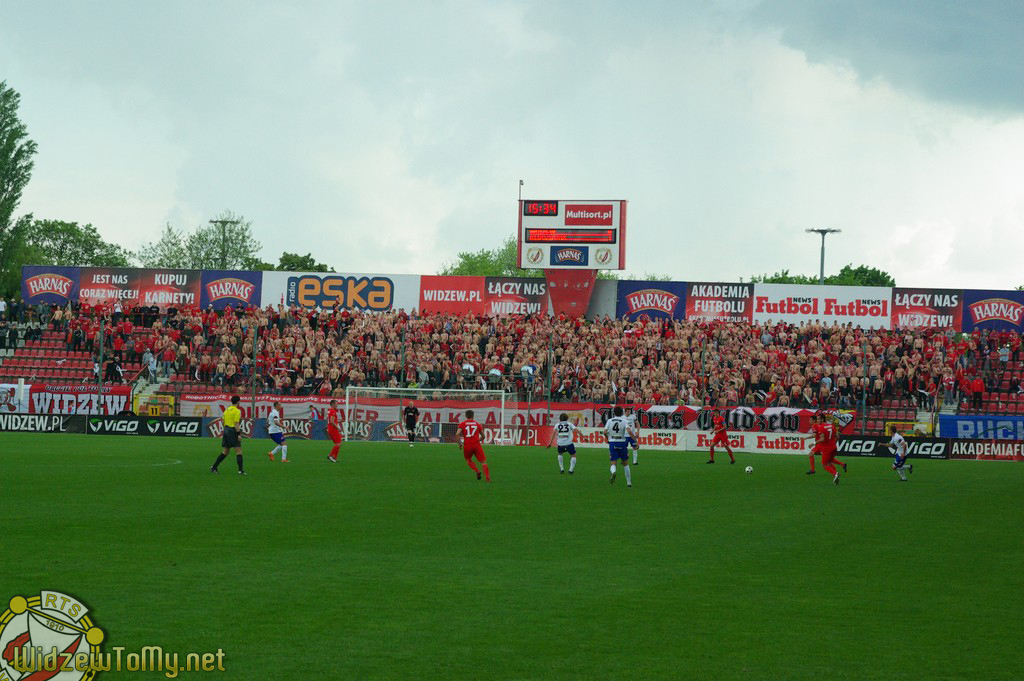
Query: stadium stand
point(895, 373)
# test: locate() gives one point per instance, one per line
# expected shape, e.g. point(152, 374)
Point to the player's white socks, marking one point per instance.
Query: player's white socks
point(626, 470)
point(903, 473)
point(572, 464)
point(634, 456)
point(276, 449)
point(613, 469)
point(284, 452)
point(561, 464)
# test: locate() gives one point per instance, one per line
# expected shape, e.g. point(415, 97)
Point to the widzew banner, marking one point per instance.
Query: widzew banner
point(78, 399)
point(927, 308)
point(869, 307)
point(491, 296)
point(717, 302)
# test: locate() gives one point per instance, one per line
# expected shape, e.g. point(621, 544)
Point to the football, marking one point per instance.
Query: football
point(749, 469)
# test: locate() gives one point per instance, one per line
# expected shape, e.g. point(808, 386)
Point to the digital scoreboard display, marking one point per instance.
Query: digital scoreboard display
point(563, 234)
point(569, 235)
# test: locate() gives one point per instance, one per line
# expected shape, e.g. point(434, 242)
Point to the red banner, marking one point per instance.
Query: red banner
point(923, 308)
point(163, 288)
point(78, 399)
point(494, 296)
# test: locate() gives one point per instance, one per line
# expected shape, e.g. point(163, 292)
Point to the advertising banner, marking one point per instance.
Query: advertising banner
point(220, 288)
point(719, 302)
point(13, 400)
point(78, 399)
point(864, 306)
point(46, 284)
point(1001, 310)
point(41, 423)
point(987, 450)
point(104, 285)
point(656, 299)
point(169, 288)
point(749, 419)
point(294, 428)
point(927, 308)
point(981, 426)
point(371, 292)
point(917, 447)
point(495, 296)
point(144, 426)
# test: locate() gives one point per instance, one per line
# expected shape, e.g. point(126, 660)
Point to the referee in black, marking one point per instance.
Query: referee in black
point(412, 414)
point(231, 438)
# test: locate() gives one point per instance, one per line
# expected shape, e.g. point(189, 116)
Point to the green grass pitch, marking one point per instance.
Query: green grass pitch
point(397, 564)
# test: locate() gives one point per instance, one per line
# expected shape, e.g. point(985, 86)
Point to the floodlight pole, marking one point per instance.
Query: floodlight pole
point(822, 232)
point(520, 190)
point(224, 239)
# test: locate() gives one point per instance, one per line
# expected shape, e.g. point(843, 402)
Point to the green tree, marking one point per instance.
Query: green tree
point(16, 162)
point(293, 262)
point(499, 262)
point(862, 275)
point(225, 243)
point(68, 244)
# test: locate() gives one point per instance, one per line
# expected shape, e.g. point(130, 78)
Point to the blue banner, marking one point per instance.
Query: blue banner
point(1002, 310)
point(47, 284)
point(656, 299)
point(221, 288)
point(981, 426)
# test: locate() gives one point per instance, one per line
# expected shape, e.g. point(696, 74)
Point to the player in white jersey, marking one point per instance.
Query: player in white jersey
point(563, 433)
point(898, 446)
point(276, 432)
point(633, 436)
point(617, 429)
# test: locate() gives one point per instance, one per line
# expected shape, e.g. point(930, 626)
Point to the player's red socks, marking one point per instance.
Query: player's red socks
point(830, 468)
point(473, 466)
point(731, 457)
point(712, 453)
point(811, 457)
point(487, 473)
point(334, 451)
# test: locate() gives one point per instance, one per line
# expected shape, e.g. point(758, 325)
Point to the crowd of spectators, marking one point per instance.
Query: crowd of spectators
point(290, 351)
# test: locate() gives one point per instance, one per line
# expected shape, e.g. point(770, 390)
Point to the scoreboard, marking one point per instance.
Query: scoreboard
point(572, 234)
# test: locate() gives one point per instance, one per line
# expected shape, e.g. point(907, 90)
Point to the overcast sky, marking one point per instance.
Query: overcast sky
point(387, 136)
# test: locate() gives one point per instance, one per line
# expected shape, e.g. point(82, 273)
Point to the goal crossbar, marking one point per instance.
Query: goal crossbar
point(359, 398)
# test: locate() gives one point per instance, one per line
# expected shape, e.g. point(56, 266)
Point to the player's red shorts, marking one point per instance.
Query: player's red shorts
point(334, 434)
point(469, 451)
point(721, 439)
point(828, 455)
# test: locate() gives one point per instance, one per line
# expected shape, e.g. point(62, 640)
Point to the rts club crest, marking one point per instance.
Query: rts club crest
point(48, 636)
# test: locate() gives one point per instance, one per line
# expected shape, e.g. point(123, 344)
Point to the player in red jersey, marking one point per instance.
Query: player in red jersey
point(829, 440)
point(721, 438)
point(334, 430)
point(469, 441)
point(816, 434)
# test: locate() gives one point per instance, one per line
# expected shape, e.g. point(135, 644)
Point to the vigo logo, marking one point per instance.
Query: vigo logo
point(230, 287)
point(114, 426)
point(997, 309)
point(857, 446)
point(157, 427)
point(652, 299)
point(49, 283)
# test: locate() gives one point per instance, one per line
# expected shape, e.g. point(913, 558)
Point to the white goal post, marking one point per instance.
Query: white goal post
point(376, 414)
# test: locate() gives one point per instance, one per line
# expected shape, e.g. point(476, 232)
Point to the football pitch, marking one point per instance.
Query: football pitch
point(396, 563)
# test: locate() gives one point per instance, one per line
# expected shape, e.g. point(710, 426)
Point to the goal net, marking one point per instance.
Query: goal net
point(378, 414)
